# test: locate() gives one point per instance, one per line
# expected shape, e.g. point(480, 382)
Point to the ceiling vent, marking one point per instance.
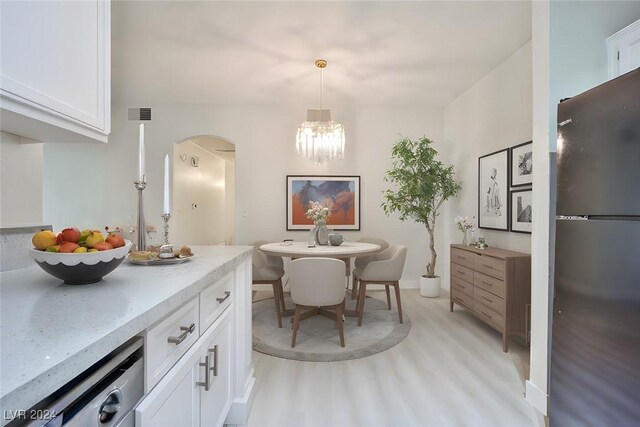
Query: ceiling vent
point(140, 114)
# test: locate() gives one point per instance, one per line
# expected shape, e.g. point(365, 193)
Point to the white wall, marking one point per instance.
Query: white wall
point(230, 200)
point(20, 180)
point(203, 186)
point(265, 154)
point(495, 113)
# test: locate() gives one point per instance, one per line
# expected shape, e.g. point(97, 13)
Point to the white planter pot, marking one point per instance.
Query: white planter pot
point(430, 286)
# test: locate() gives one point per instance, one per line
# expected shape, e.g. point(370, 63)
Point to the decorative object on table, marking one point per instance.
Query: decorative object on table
point(493, 201)
point(166, 250)
point(336, 239)
point(423, 184)
point(152, 256)
point(522, 164)
point(521, 211)
point(140, 185)
point(318, 214)
point(320, 139)
point(341, 194)
point(466, 226)
point(81, 267)
point(482, 243)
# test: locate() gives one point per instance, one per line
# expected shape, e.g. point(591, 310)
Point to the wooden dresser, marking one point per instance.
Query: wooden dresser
point(495, 285)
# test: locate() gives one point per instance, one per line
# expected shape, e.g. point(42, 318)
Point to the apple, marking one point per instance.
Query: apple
point(94, 238)
point(68, 247)
point(83, 236)
point(69, 235)
point(80, 250)
point(92, 250)
point(103, 246)
point(53, 248)
point(116, 240)
point(43, 239)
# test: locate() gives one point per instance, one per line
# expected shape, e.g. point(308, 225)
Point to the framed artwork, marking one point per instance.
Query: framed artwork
point(522, 164)
point(341, 194)
point(521, 210)
point(493, 202)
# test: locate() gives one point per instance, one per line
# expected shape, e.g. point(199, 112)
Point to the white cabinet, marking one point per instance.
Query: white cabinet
point(623, 50)
point(55, 81)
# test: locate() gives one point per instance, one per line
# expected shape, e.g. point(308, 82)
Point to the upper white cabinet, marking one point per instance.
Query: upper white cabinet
point(56, 69)
point(623, 50)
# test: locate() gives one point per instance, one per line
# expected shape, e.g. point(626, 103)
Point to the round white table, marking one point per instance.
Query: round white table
point(301, 250)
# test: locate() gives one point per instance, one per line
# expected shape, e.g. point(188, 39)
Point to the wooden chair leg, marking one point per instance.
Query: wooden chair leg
point(276, 298)
point(283, 306)
point(386, 288)
point(361, 295)
point(397, 286)
point(340, 322)
point(354, 287)
point(296, 323)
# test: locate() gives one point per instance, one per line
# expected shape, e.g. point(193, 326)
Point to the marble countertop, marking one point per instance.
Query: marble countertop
point(50, 332)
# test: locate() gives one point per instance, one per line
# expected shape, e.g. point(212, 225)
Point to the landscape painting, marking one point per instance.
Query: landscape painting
point(341, 194)
point(521, 212)
point(522, 164)
point(493, 203)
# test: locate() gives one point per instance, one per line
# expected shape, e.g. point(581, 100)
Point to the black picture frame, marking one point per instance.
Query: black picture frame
point(493, 217)
point(515, 178)
point(521, 227)
point(333, 193)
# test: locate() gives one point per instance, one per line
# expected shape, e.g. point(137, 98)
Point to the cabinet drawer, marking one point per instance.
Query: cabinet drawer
point(486, 314)
point(489, 299)
point(462, 257)
point(488, 283)
point(462, 286)
point(167, 341)
point(214, 300)
point(462, 299)
point(493, 267)
point(461, 272)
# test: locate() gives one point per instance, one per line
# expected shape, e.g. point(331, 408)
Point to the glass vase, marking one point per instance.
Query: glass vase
point(322, 233)
point(465, 238)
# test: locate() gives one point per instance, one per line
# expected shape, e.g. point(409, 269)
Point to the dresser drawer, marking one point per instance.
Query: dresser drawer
point(489, 299)
point(462, 257)
point(168, 340)
point(486, 314)
point(462, 299)
point(214, 300)
point(488, 283)
point(461, 286)
point(461, 272)
point(493, 267)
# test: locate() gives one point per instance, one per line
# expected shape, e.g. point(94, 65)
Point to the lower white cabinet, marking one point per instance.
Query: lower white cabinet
point(197, 390)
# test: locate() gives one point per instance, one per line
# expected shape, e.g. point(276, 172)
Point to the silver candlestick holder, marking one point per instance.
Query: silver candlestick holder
point(142, 228)
point(166, 250)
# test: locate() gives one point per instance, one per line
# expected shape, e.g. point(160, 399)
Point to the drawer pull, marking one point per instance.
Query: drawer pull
point(214, 369)
point(488, 315)
point(207, 376)
point(461, 257)
point(489, 266)
point(227, 294)
point(485, 298)
point(186, 331)
point(487, 283)
point(464, 273)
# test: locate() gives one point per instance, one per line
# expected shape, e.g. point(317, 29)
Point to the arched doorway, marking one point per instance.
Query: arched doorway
point(204, 190)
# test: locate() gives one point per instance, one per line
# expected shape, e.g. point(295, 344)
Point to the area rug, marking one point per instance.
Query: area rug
point(318, 340)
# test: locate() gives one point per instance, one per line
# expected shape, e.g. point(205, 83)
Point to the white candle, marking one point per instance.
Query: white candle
point(141, 154)
point(166, 185)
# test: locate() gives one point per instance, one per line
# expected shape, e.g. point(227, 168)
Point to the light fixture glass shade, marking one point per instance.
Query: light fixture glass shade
point(320, 141)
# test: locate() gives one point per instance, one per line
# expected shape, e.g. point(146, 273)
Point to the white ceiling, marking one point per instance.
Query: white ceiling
point(380, 53)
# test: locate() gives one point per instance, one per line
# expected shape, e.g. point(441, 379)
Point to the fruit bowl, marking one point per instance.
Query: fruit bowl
point(81, 268)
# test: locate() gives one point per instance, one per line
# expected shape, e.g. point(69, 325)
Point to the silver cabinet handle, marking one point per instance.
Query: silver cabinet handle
point(207, 377)
point(227, 294)
point(214, 350)
point(186, 331)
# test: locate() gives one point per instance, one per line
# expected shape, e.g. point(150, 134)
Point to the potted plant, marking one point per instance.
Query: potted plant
point(423, 185)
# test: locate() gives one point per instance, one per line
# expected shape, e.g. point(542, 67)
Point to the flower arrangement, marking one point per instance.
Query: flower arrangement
point(464, 223)
point(317, 212)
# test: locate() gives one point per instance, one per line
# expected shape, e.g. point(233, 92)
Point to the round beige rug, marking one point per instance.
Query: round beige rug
point(318, 340)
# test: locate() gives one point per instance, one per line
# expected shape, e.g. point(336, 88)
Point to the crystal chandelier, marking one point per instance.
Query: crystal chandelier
point(319, 139)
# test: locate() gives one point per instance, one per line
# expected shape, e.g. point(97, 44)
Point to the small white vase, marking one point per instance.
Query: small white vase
point(430, 286)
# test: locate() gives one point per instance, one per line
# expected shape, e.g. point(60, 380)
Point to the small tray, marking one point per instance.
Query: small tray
point(159, 261)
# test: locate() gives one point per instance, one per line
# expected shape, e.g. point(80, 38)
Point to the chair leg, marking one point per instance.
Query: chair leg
point(283, 306)
point(386, 288)
point(361, 295)
point(340, 323)
point(276, 298)
point(296, 323)
point(354, 287)
point(397, 286)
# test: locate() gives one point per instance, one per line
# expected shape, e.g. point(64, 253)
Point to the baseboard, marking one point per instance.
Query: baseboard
point(241, 407)
point(536, 397)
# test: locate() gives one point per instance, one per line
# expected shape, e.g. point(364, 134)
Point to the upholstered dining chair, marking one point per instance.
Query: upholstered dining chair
point(361, 261)
point(385, 269)
point(269, 269)
point(317, 283)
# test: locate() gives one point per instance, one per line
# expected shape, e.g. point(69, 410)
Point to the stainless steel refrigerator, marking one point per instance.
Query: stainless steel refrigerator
point(595, 348)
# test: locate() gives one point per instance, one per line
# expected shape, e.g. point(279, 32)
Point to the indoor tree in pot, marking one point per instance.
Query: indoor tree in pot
point(423, 184)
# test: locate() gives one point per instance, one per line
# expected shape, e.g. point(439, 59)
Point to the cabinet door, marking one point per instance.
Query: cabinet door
point(624, 50)
point(215, 402)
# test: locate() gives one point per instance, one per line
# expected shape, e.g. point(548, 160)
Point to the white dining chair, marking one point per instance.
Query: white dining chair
point(361, 261)
point(268, 269)
point(317, 283)
point(385, 269)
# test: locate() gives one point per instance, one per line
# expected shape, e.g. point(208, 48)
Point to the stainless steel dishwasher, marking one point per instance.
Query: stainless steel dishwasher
point(103, 396)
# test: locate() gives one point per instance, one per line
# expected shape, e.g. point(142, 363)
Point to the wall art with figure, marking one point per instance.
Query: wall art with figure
point(493, 201)
point(341, 194)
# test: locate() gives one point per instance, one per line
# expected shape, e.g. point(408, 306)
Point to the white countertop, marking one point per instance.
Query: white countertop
point(50, 332)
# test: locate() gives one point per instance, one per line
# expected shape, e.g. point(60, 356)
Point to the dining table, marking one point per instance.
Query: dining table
point(292, 249)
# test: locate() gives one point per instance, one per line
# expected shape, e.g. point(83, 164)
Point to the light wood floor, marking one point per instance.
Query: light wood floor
point(449, 371)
